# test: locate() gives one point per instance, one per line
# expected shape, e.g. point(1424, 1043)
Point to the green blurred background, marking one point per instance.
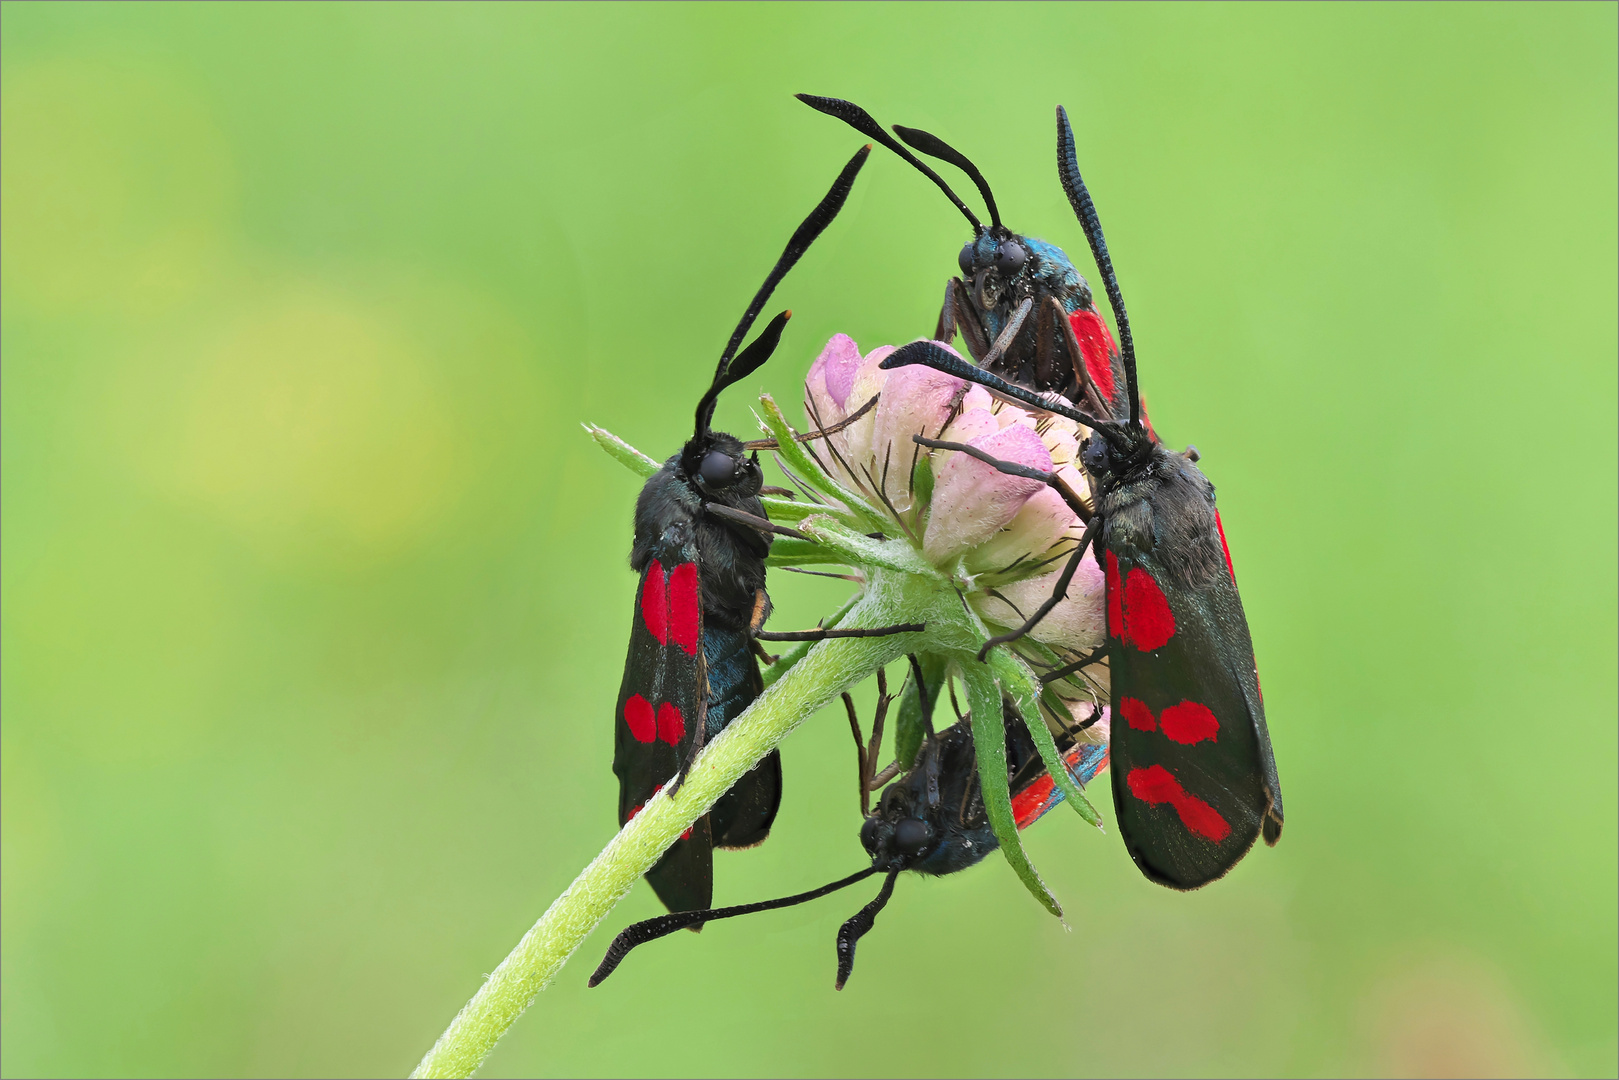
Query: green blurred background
point(315, 594)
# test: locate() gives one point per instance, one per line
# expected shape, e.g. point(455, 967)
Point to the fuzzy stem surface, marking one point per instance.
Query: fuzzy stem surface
point(825, 671)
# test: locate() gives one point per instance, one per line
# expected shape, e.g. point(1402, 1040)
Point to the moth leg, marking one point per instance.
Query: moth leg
point(966, 318)
point(922, 694)
point(945, 329)
point(884, 698)
point(859, 754)
point(1096, 655)
point(1056, 597)
point(819, 634)
point(1008, 335)
point(1076, 358)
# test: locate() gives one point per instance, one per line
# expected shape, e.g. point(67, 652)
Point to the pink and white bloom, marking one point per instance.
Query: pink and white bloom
point(1003, 539)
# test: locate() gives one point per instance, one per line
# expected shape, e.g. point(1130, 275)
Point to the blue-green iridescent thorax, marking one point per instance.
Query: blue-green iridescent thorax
point(997, 288)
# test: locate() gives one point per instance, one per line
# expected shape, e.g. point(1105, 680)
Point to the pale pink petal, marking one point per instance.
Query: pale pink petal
point(973, 500)
point(827, 385)
point(1078, 622)
point(971, 424)
point(854, 441)
point(1043, 520)
point(916, 400)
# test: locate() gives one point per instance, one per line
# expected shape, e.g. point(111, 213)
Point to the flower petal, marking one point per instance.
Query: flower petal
point(973, 500)
point(1078, 622)
point(916, 400)
point(1025, 540)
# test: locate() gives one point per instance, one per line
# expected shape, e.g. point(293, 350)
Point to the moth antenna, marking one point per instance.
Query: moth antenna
point(805, 235)
point(1079, 198)
point(850, 933)
point(861, 121)
point(664, 925)
point(933, 146)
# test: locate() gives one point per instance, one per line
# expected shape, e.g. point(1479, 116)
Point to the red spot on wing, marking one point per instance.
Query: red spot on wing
point(1155, 785)
point(638, 716)
point(1225, 547)
point(671, 725)
point(1115, 597)
point(1096, 344)
point(1030, 803)
point(653, 610)
point(683, 607)
point(1137, 715)
point(1148, 622)
point(1189, 723)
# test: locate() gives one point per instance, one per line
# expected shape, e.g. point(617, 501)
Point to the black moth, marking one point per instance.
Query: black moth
point(701, 538)
point(1023, 309)
point(1194, 779)
point(931, 821)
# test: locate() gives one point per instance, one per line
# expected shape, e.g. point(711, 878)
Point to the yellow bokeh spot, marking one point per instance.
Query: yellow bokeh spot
point(313, 427)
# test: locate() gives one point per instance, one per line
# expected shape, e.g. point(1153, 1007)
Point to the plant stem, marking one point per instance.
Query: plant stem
point(826, 671)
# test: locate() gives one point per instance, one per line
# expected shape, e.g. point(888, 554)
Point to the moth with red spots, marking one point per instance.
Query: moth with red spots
point(1022, 308)
point(932, 820)
point(701, 538)
point(1194, 778)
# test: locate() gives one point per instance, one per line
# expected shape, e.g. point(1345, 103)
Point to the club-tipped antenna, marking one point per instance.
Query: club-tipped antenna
point(756, 354)
point(664, 925)
point(935, 356)
point(1080, 199)
point(930, 144)
point(850, 933)
point(861, 121)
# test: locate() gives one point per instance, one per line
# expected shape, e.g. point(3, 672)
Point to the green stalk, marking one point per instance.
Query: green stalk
point(825, 671)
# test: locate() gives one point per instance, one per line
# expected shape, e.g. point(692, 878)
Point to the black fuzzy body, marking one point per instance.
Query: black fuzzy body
point(719, 682)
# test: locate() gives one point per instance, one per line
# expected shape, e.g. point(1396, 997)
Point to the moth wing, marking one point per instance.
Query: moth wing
point(744, 814)
point(660, 703)
point(1194, 778)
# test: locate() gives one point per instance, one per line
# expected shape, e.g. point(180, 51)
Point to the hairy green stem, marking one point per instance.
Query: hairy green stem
point(824, 672)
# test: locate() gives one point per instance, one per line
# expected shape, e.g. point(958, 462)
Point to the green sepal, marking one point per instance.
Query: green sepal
point(623, 453)
point(779, 509)
point(861, 550)
point(787, 551)
point(808, 470)
point(989, 736)
point(908, 726)
point(922, 489)
point(1019, 683)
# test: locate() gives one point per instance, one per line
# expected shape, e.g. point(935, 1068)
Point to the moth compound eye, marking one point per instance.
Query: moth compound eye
point(1010, 257)
point(965, 260)
point(911, 835)
point(718, 468)
point(868, 835)
point(1094, 456)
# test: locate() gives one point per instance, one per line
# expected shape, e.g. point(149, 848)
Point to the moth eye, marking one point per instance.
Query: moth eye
point(911, 835)
point(1010, 257)
point(965, 260)
point(868, 835)
point(718, 468)
point(1094, 456)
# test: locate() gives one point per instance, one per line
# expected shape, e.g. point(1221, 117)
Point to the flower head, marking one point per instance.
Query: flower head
point(1002, 539)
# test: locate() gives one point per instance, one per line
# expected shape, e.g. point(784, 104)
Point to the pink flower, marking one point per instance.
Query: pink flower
point(972, 500)
point(1078, 622)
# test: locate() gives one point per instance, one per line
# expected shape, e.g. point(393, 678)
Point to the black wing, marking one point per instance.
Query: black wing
point(743, 816)
point(1194, 780)
point(660, 704)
